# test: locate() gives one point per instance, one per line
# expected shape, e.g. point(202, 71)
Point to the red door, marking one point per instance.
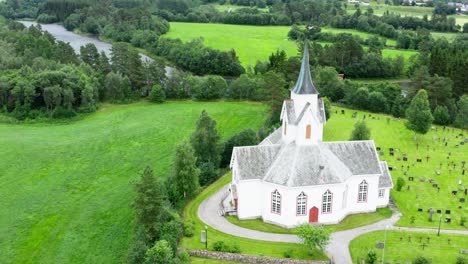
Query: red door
point(313, 215)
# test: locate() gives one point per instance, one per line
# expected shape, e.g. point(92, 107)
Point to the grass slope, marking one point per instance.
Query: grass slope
point(349, 222)
point(66, 189)
point(437, 249)
point(247, 246)
point(394, 134)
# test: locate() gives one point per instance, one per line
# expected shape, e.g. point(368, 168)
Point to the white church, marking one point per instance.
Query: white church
point(293, 177)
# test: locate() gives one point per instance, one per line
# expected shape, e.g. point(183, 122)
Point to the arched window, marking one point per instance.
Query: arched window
point(301, 204)
point(308, 131)
point(276, 202)
point(285, 127)
point(327, 202)
point(362, 194)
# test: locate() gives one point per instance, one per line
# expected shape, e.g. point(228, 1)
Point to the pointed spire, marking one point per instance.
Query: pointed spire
point(304, 84)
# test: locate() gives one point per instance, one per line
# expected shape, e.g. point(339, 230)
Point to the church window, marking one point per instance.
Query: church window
point(362, 194)
point(285, 127)
point(308, 131)
point(327, 202)
point(301, 204)
point(276, 202)
point(381, 193)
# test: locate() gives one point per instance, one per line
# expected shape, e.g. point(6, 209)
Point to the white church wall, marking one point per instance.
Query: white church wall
point(290, 132)
point(370, 205)
point(300, 100)
point(316, 130)
point(383, 201)
point(249, 194)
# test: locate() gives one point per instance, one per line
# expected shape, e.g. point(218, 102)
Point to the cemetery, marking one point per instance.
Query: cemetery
point(404, 247)
point(432, 167)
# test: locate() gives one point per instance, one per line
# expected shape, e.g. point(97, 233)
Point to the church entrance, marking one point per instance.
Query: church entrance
point(313, 215)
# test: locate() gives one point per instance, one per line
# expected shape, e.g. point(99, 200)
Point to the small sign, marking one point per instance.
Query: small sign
point(203, 236)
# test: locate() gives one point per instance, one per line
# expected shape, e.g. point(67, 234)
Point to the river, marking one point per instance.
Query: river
point(76, 41)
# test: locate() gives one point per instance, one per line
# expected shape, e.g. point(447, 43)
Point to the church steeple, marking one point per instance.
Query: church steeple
point(304, 84)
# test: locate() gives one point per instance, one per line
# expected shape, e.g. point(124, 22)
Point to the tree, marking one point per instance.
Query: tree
point(360, 131)
point(117, 88)
point(377, 102)
point(149, 203)
point(274, 93)
point(160, 253)
point(419, 113)
point(205, 140)
point(247, 137)
point(329, 84)
point(461, 120)
point(361, 98)
point(422, 260)
point(400, 183)
point(157, 94)
point(465, 28)
point(243, 88)
point(328, 107)
point(185, 173)
point(441, 115)
point(439, 90)
point(313, 236)
point(89, 54)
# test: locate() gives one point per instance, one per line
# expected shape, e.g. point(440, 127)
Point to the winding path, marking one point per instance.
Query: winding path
point(337, 249)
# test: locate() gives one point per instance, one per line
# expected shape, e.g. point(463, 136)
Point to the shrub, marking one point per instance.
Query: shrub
point(47, 19)
point(61, 112)
point(371, 257)
point(400, 183)
point(422, 260)
point(219, 246)
point(157, 94)
point(288, 253)
point(189, 228)
point(223, 247)
point(160, 253)
point(461, 260)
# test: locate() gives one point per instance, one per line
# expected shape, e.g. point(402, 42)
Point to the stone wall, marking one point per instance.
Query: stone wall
point(250, 258)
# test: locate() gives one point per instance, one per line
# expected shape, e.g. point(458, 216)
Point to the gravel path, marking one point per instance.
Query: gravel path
point(337, 249)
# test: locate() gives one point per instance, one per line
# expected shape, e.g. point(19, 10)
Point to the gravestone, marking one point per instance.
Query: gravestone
point(420, 209)
point(447, 211)
point(431, 213)
point(390, 168)
point(431, 180)
point(448, 220)
point(462, 200)
point(391, 154)
point(391, 149)
point(438, 172)
point(410, 178)
point(378, 148)
point(381, 153)
point(342, 112)
point(405, 159)
point(418, 160)
point(435, 185)
point(454, 192)
point(354, 115)
point(380, 244)
point(422, 179)
point(439, 211)
point(464, 251)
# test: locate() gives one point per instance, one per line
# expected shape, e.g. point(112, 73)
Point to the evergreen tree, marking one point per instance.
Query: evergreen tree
point(185, 173)
point(441, 115)
point(462, 117)
point(205, 140)
point(439, 90)
point(89, 55)
point(274, 93)
point(360, 131)
point(104, 65)
point(399, 106)
point(419, 113)
point(157, 94)
point(149, 203)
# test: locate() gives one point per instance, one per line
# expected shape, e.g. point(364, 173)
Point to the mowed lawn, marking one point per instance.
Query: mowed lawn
point(392, 133)
point(251, 43)
point(437, 248)
point(67, 189)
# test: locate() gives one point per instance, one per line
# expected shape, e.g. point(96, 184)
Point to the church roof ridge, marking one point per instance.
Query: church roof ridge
point(304, 84)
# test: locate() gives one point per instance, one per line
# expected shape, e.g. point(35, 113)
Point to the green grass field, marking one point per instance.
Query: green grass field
point(226, 7)
point(247, 246)
point(394, 134)
point(254, 43)
point(437, 249)
point(251, 43)
point(66, 189)
point(351, 221)
point(363, 35)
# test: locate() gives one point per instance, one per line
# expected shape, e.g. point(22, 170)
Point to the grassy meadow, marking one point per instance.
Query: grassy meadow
point(392, 133)
point(66, 190)
point(437, 248)
point(254, 43)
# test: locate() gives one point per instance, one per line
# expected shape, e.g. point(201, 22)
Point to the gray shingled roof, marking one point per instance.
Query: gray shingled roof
point(290, 111)
point(359, 156)
point(254, 161)
point(304, 84)
point(273, 138)
point(304, 165)
point(385, 180)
